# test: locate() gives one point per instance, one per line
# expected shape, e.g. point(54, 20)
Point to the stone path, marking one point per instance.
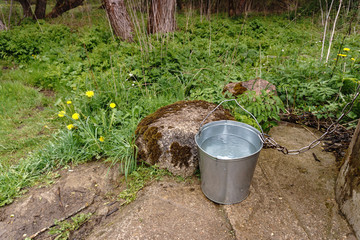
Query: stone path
point(292, 197)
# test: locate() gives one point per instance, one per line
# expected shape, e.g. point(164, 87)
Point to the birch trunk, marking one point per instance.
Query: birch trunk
point(333, 31)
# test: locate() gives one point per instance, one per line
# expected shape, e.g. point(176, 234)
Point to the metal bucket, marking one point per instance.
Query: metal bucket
point(228, 153)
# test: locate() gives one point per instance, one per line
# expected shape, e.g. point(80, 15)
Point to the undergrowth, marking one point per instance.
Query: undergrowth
point(105, 86)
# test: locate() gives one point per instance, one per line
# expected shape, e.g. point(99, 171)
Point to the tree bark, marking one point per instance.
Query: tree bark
point(2, 26)
point(25, 4)
point(231, 8)
point(162, 16)
point(63, 6)
point(235, 7)
point(40, 9)
point(119, 19)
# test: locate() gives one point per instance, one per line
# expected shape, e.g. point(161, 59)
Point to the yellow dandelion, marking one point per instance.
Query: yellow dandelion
point(61, 114)
point(89, 94)
point(346, 49)
point(68, 102)
point(112, 105)
point(342, 55)
point(101, 139)
point(70, 126)
point(75, 116)
point(353, 59)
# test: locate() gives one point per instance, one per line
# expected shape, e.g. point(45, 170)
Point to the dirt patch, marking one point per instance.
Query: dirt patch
point(47, 92)
point(91, 187)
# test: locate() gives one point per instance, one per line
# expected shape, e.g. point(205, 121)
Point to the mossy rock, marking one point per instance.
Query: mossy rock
point(257, 85)
point(166, 137)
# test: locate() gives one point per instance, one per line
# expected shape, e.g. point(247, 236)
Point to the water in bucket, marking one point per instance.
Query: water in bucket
point(228, 146)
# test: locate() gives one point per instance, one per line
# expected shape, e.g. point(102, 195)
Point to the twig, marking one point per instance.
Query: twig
point(60, 201)
point(315, 157)
point(62, 219)
point(111, 212)
point(309, 131)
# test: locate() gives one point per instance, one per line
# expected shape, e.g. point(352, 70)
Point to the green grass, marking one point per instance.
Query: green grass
point(195, 62)
point(26, 120)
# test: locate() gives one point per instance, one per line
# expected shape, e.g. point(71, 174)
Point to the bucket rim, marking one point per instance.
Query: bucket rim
point(230, 122)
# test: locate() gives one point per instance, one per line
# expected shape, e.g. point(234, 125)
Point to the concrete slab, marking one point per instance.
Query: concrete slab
point(168, 210)
point(292, 197)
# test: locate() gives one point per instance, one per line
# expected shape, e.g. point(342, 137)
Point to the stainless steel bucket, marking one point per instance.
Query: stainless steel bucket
point(228, 163)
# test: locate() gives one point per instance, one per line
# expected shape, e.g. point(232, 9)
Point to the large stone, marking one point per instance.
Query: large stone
point(348, 184)
point(257, 85)
point(166, 137)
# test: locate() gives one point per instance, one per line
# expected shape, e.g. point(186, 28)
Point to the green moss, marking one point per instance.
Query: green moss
point(175, 107)
point(180, 155)
point(239, 89)
point(151, 137)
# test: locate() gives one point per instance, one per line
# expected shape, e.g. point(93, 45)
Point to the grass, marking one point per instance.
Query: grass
point(195, 62)
point(26, 120)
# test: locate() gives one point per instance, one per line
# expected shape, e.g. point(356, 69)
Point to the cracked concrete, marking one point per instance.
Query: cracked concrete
point(292, 197)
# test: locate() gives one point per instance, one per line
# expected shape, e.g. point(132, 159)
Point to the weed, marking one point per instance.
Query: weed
point(192, 63)
point(63, 229)
point(138, 179)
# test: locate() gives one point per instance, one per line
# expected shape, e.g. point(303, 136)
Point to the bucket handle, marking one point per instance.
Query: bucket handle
point(229, 100)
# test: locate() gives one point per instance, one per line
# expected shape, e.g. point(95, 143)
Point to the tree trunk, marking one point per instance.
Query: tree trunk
point(235, 7)
point(40, 9)
point(231, 8)
point(347, 189)
point(162, 16)
point(179, 5)
point(63, 6)
point(2, 26)
point(119, 19)
point(25, 4)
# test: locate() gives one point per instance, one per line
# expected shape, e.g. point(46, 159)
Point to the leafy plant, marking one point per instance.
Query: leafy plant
point(63, 229)
point(265, 108)
point(138, 179)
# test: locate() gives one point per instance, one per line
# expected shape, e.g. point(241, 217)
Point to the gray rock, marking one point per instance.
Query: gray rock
point(257, 85)
point(166, 137)
point(348, 184)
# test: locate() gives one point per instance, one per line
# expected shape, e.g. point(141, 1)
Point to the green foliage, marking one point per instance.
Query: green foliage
point(265, 108)
point(24, 45)
point(63, 229)
point(193, 63)
point(138, 179)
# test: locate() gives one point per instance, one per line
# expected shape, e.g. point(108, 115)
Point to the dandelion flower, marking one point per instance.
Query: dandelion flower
point(101, 139)
point(353, 59)
point(112, 105)
point(75, 116)
point(70, 126)
point(69, 102)
point(342, 55)
point(61, 114)
point(346, 49)
point(90, 94)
